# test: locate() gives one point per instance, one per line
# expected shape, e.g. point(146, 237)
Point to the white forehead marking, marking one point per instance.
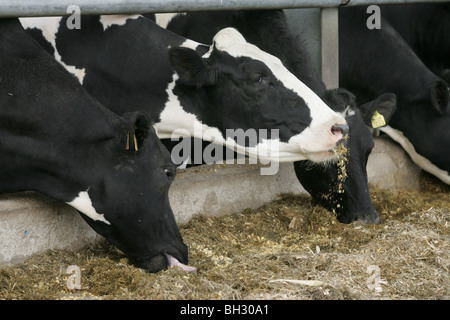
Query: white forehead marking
point(49, 27)
point(116, 20)
point(84, 204)
point(232, 42)
point(163, 19)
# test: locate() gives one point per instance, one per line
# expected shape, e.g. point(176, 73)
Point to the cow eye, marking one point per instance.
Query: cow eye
point(170, 174)
point(261, 80)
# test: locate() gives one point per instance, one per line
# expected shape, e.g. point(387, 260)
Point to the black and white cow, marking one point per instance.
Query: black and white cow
point(342, 188)
point(349, 198)
point(421, 123)
point(57, 140)
point(204, 91)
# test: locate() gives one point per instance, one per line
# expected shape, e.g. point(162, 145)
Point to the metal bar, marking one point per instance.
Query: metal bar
point(381, 2)
point(21, 8)
point(330, 47)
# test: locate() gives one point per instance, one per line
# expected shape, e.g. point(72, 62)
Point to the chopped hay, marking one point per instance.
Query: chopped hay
point(288, 249)
point(342, 151)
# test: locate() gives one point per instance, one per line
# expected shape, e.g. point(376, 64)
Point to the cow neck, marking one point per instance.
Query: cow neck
point(50, 126)
point(396, 65)
point(140, 58)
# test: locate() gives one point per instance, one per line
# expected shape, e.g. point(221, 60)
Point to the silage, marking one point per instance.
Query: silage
point(288, 249)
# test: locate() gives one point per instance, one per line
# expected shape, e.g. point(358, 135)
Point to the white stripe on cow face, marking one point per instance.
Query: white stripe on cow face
point(49, 27)
point(316, 137)
point(83, 204)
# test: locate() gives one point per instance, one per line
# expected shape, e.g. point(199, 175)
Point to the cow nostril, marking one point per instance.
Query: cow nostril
point(340, 128)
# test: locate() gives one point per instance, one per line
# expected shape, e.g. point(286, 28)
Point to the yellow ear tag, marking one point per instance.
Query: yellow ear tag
point(135, 143)
point(127, 147)
point(378, 120)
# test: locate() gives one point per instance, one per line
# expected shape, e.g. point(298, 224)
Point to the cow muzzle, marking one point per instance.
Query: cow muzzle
point(340, 131)
point(161, 262)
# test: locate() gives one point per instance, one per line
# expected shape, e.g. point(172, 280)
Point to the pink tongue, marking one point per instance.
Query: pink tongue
point(173, 262)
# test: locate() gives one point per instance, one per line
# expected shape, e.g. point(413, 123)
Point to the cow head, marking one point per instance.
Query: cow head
point(127, 200)
point(343, 187)
point(56, 139)
point(243, 87)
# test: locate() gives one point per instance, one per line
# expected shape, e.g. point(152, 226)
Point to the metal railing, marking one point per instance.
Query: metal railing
point(329, 51)
point(29, 8)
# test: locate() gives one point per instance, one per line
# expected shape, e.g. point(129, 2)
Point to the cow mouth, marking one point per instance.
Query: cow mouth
point(174, 263)
point(332, 155)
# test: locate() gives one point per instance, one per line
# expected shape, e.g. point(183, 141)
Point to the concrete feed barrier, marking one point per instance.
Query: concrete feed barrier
point(31, 223)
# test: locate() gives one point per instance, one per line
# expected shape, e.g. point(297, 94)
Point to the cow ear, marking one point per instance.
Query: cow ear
point(440, 96)
point(137, 129)
point(348, 100)
point(192, 69)
point(339, 99)
point(378, 112)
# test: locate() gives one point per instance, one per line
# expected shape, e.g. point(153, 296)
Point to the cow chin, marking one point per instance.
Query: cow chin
point(154, 264)
point(363, 217)
point(324, 157)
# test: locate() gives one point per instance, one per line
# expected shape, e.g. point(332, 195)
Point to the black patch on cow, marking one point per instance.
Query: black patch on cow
point(39, 37)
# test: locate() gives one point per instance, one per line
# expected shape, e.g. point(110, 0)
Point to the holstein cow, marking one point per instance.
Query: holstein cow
point(192, 89)
point(421, 123)
point(57, 140)
point(348, 196)
point(342, 188)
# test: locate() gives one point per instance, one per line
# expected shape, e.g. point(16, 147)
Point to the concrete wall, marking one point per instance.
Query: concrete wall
point(31, 223)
